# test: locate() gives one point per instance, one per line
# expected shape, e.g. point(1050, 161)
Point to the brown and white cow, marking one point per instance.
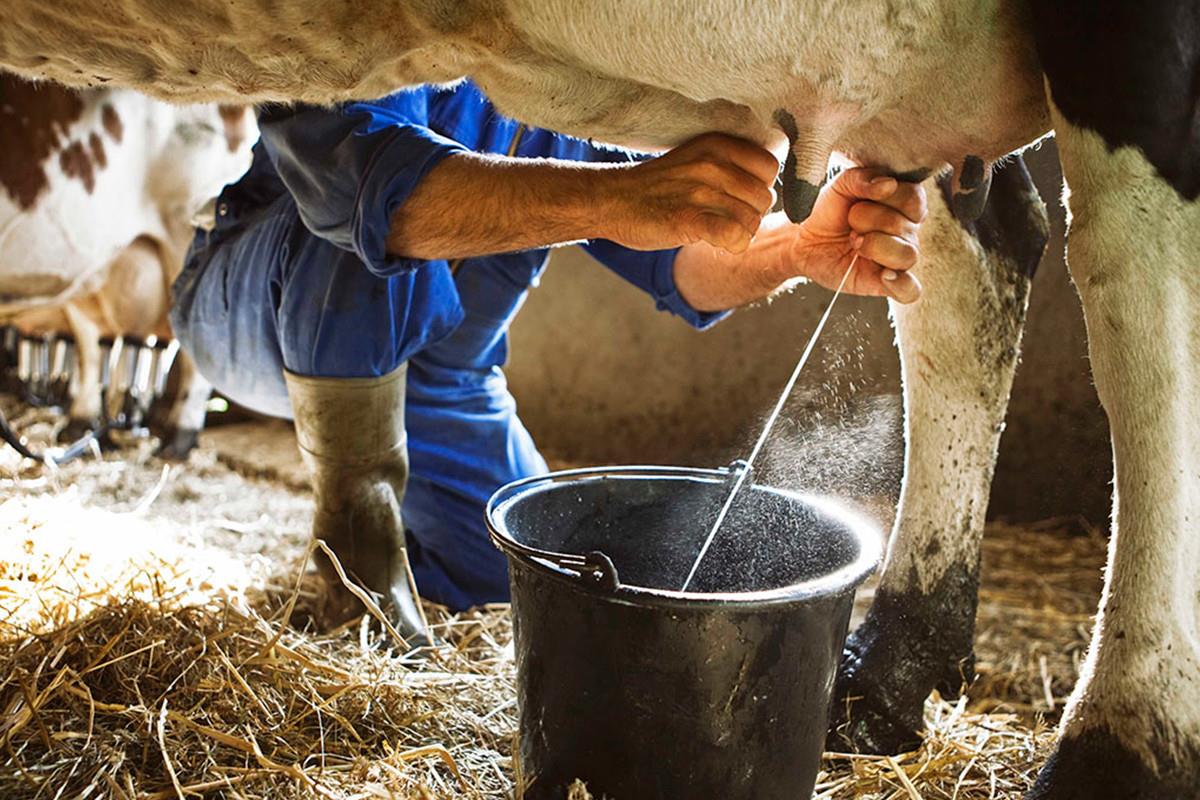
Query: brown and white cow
point(97, 193)
point(918, 86)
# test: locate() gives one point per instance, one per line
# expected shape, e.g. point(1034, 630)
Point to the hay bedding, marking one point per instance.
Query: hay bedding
point(135, 701)
point(149, 648)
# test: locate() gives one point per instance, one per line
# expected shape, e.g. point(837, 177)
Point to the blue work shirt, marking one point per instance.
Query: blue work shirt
point(296, 275)
point(347, 174)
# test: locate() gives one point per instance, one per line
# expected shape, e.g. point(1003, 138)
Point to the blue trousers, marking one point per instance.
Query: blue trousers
point(267, 295)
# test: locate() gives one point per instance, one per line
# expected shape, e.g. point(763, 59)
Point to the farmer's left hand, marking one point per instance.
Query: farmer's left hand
point(866, 212)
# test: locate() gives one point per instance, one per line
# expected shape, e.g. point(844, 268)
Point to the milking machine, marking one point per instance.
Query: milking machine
point(44, 372)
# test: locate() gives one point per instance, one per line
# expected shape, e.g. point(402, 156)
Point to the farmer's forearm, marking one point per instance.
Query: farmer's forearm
point(712, 280)
point(714, 188)
point(473, 205)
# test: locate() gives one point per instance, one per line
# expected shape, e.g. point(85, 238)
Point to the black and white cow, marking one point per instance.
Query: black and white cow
point(925, 88)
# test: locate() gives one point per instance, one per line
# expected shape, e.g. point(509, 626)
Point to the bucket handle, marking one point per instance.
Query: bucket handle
point(594, 568)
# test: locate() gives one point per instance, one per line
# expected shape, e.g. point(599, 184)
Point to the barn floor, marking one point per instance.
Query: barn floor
point(154, 642)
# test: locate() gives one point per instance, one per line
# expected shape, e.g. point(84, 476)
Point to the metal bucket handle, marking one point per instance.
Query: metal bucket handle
point(594, 568)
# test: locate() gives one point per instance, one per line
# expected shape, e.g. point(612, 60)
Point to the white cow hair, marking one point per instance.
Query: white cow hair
point(1132, 246)
point(956, 384)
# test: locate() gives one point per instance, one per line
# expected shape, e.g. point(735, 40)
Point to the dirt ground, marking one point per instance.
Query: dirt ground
point(154, 642)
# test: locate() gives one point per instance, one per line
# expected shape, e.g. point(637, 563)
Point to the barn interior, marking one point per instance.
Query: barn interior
point(157, 632)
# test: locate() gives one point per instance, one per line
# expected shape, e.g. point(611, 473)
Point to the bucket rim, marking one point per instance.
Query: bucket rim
point(832, 584)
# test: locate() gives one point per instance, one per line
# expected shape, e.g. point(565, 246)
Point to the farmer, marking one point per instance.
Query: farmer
point(361, 278)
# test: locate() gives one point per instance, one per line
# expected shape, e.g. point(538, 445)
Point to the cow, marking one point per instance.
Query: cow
point(98, 189)
point(936, 90)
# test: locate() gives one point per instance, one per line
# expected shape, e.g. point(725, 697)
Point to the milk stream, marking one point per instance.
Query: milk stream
point(747, 466)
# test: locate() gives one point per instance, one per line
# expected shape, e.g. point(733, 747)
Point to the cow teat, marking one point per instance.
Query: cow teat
point(805, 167)
point(974, 180)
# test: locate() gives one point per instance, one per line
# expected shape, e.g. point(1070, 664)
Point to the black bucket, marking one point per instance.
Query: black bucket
point(643, 691)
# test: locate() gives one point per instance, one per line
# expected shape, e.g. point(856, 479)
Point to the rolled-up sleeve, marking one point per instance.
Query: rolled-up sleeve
point(349, 169)
point(652, 271)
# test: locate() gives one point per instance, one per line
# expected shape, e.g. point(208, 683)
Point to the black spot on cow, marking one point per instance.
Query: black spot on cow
point(974, 183)
point(1097, 764)
point(1013, 222)
point(971, 174)
point(452, 18)
point(910, 643)
point(33, 124)
point(799, 197)
point(1131, 73)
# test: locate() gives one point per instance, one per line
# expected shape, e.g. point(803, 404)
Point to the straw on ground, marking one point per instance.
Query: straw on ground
point(147, 652)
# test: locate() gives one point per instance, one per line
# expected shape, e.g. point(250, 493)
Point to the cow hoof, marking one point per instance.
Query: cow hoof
point(910, 644)
point(179, 445)
point(1097, 764)
point(874, 712)
point(863, 724)
point(74, 430)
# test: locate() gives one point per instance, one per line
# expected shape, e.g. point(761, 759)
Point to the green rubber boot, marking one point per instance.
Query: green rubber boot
point(352, 439)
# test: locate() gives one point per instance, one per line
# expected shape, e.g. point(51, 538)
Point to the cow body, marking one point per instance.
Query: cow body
point(896, 84)
point(97, 193)
point(915, 86)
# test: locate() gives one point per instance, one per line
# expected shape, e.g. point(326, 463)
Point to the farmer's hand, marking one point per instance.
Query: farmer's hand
point(714, 189)
point(865, 212)
point(861, 211)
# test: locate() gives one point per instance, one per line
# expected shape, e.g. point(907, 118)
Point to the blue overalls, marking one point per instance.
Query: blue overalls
point(295, 276)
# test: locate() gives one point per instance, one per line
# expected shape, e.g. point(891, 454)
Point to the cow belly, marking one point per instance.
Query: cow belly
point(870, 78)
point(873, 72)
point(60, 251)
point(205, 50)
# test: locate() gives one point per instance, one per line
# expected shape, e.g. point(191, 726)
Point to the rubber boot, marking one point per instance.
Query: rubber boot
point(352, 439)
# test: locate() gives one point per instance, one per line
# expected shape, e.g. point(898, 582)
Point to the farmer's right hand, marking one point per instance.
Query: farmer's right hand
point(714, 188)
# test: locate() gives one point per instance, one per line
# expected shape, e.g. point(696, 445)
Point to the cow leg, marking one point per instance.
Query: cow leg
point(185, 415)
point(1132, 726)
point(958, 352)
point(84, 413)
